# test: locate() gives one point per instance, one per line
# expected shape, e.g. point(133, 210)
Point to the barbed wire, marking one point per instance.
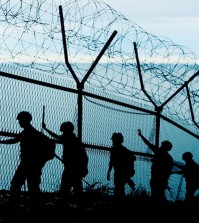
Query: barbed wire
point(31, 37)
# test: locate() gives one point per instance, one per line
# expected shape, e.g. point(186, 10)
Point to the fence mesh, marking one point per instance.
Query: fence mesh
point(100, 119)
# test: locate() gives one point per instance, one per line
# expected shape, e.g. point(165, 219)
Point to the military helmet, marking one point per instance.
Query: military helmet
point(168, 145)
point(24, 116)
point(67, 126)
point(187, 156)
point(117, 136)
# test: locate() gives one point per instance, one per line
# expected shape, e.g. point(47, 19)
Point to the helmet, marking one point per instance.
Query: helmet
point(187, 156)
point(118, 137)
point(67, 126)
point(24, 116)
point(167, 144)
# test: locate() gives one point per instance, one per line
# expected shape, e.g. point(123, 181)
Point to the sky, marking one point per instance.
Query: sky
point(177, 20)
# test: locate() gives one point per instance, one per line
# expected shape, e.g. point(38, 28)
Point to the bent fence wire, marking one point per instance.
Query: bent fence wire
point(31, 36)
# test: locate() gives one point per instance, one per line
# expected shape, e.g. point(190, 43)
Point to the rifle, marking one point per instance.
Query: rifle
point(43, 114)
point(42, 130)
point(43, 118)
point(169, 189)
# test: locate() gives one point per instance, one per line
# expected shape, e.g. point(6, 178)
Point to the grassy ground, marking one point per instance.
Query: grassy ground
point(99, 206)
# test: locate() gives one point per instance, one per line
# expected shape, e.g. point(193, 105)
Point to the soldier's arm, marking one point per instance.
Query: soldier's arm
point(10, 141)
point(54, 135)
point(150, 145)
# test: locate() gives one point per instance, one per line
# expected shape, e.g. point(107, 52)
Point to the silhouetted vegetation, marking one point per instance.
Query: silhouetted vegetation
point(99, 206)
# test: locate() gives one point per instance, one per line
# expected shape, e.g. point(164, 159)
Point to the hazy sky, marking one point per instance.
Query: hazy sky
point(177, 20)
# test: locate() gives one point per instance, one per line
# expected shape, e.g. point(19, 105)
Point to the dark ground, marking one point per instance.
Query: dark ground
point(96, 208)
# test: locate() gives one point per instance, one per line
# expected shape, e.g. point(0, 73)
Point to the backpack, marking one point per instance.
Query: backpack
point(46, 147)
point(130, 159)
point(75, 157)
point(191, 173)
point(83, 161)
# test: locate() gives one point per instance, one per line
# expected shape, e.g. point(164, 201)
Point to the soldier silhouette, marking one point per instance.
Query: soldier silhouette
point(122, 161)
point(75, 162)
point(30, 166)
point(161, 169)
point(191, 174)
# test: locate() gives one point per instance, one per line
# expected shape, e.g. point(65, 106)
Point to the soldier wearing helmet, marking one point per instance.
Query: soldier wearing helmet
point(161, 169)
point(191, 174)
point(187, 156)
point(30, 166)
point(166, 145)
point(75, 160)
point(117, 137)
point(122, 161)
point(67, 127)
point(24, 116)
